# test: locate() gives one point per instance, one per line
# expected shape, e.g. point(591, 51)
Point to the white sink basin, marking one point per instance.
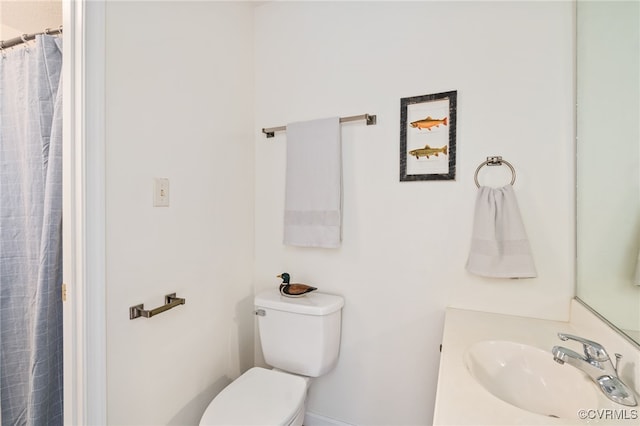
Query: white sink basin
point(529, 378)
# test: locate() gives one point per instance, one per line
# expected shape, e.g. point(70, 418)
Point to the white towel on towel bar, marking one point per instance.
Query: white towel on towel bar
point(499, 244)
point(313, 192)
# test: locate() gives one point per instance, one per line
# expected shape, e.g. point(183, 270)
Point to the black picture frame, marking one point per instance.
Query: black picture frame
point(428, 137)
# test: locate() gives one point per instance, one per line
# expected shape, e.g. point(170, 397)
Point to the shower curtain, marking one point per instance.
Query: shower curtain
point(30, 233)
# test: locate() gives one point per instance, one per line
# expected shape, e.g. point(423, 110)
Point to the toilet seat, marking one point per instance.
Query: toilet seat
point(258, 397)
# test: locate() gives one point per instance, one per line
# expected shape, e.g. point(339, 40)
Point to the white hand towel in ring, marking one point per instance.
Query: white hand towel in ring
point(499, 244)
point(313, 190)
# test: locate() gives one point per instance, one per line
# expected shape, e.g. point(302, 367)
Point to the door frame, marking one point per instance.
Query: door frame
point(84, 306)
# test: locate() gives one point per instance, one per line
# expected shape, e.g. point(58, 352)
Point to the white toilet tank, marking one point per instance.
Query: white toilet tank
point(300, 335)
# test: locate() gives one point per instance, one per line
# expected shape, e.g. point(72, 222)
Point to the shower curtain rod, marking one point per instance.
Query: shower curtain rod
point(27, 37)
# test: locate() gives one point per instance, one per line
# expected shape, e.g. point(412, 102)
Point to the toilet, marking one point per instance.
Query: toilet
point(300, 339)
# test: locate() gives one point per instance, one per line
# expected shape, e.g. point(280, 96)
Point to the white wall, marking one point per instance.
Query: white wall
point(189, 85)
point(405, 244)
point(179, 105)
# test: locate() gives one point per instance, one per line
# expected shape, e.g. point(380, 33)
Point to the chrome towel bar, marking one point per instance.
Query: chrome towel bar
point(369, 118)
point(170, 301)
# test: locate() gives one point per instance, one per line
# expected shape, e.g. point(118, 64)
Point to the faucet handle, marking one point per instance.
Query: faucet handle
point(592, 350)
point(618, 358)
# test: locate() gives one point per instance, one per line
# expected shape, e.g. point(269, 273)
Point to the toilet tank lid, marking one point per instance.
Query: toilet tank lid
point(310, 304)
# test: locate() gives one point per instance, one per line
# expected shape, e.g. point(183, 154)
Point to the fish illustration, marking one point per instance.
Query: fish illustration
point(427, 151)
point(428, 123)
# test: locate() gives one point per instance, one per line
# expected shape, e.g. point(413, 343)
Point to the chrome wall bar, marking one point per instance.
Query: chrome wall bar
point(26, 37)
point(170, 300)
point(369, 118)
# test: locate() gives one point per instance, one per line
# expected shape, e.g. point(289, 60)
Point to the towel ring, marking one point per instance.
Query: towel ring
point(495, 161)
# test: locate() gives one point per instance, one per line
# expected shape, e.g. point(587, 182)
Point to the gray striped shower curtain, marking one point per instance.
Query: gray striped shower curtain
point(30, 233)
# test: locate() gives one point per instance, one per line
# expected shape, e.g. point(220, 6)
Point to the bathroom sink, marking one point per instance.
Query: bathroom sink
point(529, 378)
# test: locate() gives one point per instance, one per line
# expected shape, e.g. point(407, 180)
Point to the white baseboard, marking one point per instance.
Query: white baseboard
point(312, 419)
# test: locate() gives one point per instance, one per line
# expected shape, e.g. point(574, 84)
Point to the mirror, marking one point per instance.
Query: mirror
point(608, 161)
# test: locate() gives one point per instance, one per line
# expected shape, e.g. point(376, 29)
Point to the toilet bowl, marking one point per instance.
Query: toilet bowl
point(300, 338)
point(259, 397)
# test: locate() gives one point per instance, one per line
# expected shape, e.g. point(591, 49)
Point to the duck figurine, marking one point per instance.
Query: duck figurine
point(293, 290)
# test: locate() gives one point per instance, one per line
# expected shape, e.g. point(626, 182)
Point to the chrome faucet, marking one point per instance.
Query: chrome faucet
point(597, 364)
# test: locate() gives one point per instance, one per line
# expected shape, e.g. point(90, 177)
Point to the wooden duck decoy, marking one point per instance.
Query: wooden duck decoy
point(293, 290)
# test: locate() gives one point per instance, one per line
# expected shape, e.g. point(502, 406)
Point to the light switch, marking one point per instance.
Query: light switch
point(161, 192)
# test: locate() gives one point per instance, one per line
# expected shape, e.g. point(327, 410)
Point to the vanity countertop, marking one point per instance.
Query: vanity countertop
point(461, 400)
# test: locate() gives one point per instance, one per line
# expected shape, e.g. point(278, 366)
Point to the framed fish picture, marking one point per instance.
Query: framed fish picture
point(428, 137)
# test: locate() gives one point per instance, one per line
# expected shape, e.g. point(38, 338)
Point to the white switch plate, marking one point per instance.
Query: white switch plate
point(161, 192)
